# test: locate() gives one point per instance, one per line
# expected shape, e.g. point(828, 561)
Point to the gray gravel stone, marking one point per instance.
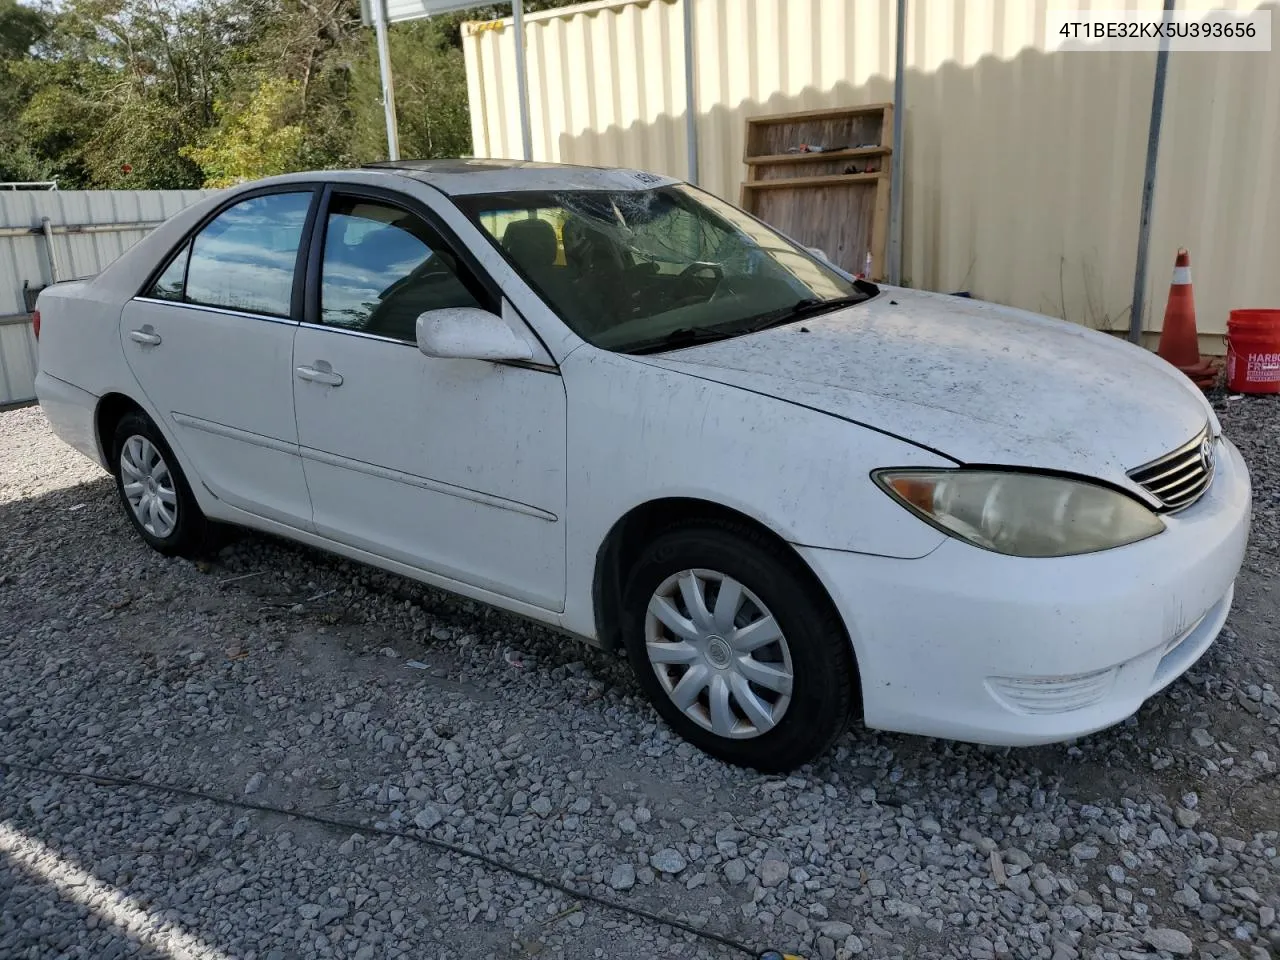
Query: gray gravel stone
point(428, 817)
point(735, 871)
point(1021, 885)
point(668, 861)
point(623, 877)
point(1170, 941)
point(773, 872)
point(794, 920)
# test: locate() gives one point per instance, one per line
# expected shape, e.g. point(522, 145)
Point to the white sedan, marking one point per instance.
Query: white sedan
point(612, 403)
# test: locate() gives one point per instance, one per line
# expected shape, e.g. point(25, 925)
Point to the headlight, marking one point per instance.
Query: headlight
point(1021, 514)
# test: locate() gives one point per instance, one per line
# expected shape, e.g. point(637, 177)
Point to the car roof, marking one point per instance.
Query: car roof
point(461, 176)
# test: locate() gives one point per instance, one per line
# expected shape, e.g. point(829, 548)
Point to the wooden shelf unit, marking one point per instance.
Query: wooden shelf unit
point(778, 158)
point(836, 199)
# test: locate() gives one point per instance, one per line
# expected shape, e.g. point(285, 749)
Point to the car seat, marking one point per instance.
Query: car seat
point(532, 245)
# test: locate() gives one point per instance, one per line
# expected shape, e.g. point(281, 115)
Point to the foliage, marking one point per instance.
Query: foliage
point(255, 140)
point(110, 94)
point(21, 28)
point(430, 92)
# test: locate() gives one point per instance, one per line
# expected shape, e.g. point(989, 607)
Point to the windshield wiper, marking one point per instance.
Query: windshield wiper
point(681, 337)
point(808, 307)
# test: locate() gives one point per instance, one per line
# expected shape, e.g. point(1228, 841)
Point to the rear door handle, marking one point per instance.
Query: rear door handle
point(320, 373)
point(146, 335)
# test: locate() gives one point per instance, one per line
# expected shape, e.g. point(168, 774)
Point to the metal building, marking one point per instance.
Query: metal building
point(1023, 168)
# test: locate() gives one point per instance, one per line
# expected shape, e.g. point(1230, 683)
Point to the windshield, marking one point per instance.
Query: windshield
point(644, 270)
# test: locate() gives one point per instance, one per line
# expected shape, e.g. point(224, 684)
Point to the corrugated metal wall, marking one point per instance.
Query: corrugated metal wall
point(606, 85)
point(1023, 169)
point(24, 256)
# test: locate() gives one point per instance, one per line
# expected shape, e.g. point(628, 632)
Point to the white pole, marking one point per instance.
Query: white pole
point(522, 81)
point(384, 68)
point(690, 93)
point(1138, 304)
point(896, 185)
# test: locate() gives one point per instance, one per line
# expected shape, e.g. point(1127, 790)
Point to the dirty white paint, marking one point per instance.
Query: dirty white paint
point(502, 482)
point(931, 634)
point(981, 383)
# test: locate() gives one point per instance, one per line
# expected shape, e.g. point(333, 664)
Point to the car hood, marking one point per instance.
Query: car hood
point(980, 383)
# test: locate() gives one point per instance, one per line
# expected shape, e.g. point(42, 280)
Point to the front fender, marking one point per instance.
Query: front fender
point(639, 433)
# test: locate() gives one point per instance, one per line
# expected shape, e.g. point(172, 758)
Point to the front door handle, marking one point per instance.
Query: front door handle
point(146, 335)
point(321, 372)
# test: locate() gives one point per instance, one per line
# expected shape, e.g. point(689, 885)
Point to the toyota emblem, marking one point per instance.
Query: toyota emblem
point(1206, 455)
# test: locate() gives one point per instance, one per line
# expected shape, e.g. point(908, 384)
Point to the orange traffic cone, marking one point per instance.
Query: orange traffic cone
point(1179, 342)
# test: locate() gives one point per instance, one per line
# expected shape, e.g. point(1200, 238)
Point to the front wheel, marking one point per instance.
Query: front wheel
point(154, 491)
point(737, 648)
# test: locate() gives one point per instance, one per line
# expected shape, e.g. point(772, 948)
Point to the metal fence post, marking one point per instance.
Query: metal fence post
point(55, 270)
point(894, 271)
point(1138, 304)
point(690, 92)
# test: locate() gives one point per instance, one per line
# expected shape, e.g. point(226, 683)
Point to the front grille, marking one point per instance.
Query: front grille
point(1178, 479)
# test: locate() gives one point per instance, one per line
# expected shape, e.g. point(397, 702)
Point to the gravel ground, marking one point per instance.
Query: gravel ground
point(278, 676)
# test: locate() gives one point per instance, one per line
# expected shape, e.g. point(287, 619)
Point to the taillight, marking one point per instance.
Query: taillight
point(35, 323)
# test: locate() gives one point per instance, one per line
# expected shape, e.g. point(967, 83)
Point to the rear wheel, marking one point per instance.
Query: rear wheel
point(154, 491)
point(737, 648)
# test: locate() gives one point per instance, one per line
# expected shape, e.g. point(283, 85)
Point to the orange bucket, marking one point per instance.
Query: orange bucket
point(1253, 351)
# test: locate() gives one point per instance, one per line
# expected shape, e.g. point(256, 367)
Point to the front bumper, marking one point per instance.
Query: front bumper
point(972, 645)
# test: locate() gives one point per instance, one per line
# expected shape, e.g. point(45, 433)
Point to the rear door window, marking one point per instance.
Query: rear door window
point(246, 258)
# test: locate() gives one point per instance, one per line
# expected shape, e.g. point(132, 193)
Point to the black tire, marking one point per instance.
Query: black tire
point(190, 535)
point(823, 694)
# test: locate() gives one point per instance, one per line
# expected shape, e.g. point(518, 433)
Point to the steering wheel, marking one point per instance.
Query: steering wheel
point(715, 268)
point(717, 273)
point(434, 269)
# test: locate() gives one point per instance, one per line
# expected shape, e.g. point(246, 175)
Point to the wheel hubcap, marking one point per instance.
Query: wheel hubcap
point(149, 487)
point(719, 654)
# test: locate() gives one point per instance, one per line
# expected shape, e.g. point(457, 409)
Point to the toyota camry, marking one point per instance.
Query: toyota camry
point(610, 402)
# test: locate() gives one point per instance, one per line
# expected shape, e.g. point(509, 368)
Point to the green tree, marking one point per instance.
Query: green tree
point(259, 139)
point(21, 29)
point(177, 93)
point(431, 95)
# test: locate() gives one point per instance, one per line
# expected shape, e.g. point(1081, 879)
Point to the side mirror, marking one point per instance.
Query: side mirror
point(819, 253)
point(469, 333)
